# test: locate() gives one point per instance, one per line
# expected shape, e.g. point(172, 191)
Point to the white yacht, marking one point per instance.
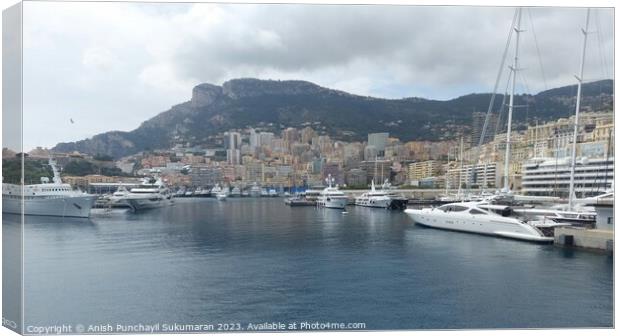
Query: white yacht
point(222, 195)
point(478, 217)
point(152, 193)
point(331, 197)
point(312, 194)
point(272, 193)
point(216, 189)
point(236, 192)
point(384, 198)
point(374, 198)
point(46, 199)
point(255, 190)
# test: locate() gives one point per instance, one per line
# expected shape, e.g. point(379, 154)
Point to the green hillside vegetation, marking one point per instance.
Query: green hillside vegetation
point(82, 167)
point(34, 169)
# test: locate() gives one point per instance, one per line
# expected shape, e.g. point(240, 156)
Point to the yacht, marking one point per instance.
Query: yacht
point(205, 193)
point(222, 195)
point(255, 190)
point(215, 190)
point(272, 193)
point(373, 198)
point(236, 192)
point(312, 194)
point(384, 198)
point(46, 199)
point(115, 200)
point(264, 192)
point(331, 197)
point(152, 193)
point(479, 217)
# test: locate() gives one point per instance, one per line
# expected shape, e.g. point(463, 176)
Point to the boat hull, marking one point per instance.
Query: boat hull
point(78, 206)
point(478, 225)
point(332, 203)
point(146, 203)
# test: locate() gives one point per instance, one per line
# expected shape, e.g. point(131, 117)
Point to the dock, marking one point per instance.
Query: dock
point(590, 239)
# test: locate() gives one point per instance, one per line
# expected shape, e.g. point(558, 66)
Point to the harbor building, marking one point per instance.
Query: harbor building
point(424, 169)
point(551, 176)
point(482, 175)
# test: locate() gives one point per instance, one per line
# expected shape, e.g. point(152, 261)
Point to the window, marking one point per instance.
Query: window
point(476, 212)
point(610, 220)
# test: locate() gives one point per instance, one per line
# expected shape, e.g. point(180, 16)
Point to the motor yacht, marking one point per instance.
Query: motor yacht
point(331, 197)
point(478, 217)
point(383, 198)
point(152, 193)
point(47, 198)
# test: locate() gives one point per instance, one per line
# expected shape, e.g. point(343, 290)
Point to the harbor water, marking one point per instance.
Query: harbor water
point(257, 260)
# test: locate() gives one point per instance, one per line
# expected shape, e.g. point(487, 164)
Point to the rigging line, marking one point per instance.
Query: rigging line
point(498, 78)
point(499, 126)
point(602, 56)
point(542, 69)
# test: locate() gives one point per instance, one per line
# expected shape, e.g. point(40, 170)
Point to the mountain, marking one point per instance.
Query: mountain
point(245, 102)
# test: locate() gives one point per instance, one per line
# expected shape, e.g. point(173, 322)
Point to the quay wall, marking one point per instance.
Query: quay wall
point(601, 240)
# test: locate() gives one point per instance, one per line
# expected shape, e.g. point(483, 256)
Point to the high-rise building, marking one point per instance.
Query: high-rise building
point(254, 139)
point(232, 144)
point(477, 126)
point(379, 170)
point(307, 134)
point(370, 153)
point(266, 138)
point(291, 135)
point(379, 141)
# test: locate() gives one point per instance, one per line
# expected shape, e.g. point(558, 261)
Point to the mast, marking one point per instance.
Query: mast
point(571, 189)
point(514, 69)
point(461, 169)
point(447, 170)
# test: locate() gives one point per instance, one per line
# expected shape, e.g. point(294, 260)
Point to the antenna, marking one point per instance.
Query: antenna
point(571, 190)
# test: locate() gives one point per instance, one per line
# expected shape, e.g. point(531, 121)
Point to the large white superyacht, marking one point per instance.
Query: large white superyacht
point(478, 217)
point(152, 193)
point(383, 198)
point(47, 199)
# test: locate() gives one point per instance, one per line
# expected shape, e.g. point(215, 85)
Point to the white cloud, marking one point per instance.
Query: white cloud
point(113, 65)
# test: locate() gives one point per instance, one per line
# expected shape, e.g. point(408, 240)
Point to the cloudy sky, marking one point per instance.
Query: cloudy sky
point(110, 66)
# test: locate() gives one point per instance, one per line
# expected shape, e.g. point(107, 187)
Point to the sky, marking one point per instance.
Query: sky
point(112, 65)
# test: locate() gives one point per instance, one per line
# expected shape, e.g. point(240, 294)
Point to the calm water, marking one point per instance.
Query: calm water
point(257, 260)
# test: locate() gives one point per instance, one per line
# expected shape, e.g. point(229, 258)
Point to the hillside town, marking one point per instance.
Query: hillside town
point(304, 157)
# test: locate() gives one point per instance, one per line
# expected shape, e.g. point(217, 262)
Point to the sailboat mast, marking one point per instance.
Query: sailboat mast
point(461, 169)
point(447, 170)
point(514, 69)
point(571, 189)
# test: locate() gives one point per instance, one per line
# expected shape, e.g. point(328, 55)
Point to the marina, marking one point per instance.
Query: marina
point(395, 184)
point(305, 263)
